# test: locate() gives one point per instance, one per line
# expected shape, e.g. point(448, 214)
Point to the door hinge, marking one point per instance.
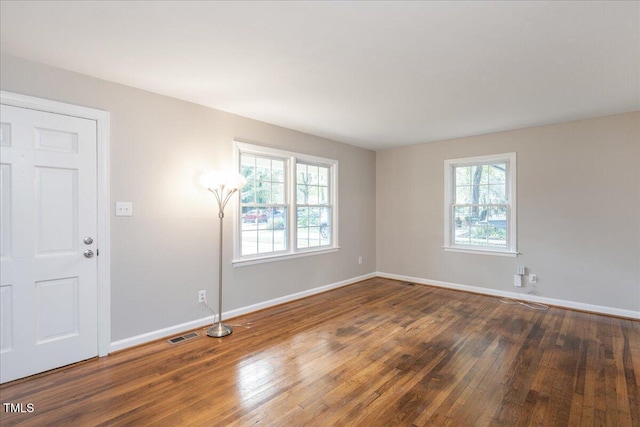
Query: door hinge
point(97, 252)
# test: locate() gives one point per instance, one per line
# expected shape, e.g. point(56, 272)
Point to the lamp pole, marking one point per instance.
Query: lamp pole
point(219, 329)
point(222, 187)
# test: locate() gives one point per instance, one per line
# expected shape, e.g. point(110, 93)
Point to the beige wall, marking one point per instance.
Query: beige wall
point(578, 206)
point(167, 251)
point(578, 211)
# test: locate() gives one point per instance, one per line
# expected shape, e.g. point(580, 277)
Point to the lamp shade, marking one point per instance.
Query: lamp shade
point(230, 180)
point(235, 181)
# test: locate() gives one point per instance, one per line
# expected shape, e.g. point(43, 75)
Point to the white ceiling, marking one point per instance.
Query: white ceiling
point(373, 74)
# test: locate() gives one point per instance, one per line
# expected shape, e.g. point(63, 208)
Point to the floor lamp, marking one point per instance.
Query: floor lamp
point(223, 186)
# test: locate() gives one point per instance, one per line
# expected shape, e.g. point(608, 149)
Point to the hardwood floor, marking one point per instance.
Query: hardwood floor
point(376, 353)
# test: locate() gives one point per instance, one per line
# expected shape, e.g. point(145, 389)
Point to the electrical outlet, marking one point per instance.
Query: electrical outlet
point(202, 296)
point(359, 260)
point(533, 279)
point(520, 270)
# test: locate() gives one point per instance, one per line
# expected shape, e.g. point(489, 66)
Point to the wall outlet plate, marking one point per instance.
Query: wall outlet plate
point(202, 296)
point(124, 209)
point(517, 280)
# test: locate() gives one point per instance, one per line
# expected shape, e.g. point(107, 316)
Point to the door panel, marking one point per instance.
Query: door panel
point(57, 193)
point(48, 289)
point(56, 309)
point(6, 318)
point(5, 209)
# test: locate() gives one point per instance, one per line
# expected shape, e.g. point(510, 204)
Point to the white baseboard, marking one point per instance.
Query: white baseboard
point(298, 295)
point(178, 329)
point(535, 298)
point(161, 333)
point(194, 324)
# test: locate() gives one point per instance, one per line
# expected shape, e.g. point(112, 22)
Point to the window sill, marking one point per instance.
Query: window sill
point(272, 258)
point(482, 251)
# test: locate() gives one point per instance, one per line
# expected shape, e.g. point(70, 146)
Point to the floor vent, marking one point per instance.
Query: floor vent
point(181, 338)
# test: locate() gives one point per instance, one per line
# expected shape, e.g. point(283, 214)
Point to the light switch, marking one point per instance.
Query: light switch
point(124, 209)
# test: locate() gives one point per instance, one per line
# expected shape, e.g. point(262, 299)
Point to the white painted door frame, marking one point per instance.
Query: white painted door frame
point(104, 259)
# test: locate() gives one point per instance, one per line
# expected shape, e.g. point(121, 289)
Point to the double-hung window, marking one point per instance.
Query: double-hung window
point(480, 210)
point(313, 205)
point(288, 206)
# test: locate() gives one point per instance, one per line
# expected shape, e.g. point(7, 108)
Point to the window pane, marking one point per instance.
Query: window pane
point(463, 195)
point(248, 193)
point(254, 216)
point(265, 241)
point(277, 171)
point(462, 221)
point(496, 193)
point(249, 242)
point(490, 235)
point(325, 226)
point(247, 169)
point(279, 240)
point(313, 195)
point(497, 216)
point(312, 177)
point(478, 235)
point(301, 173)
point(277, 194)
point(301, 194)
point(303, 238)
point(463, 175)
point(483, 195)
point(323, 197)
point(314, 216)
point(323, 176)
point(280, 218)
point(485, 174)
point(264, 168)
point(497, 173)
point(302, 217)
point(247, 162)
point(314, 236)
point(476, 175)
point(462, 215)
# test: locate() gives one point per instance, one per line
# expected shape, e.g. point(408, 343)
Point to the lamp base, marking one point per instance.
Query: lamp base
point(219, 330)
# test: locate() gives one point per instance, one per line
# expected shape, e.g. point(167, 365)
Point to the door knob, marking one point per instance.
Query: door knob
point(88, 240)
point(88, 253)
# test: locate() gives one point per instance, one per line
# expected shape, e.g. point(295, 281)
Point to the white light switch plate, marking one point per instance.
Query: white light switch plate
point(124, 209)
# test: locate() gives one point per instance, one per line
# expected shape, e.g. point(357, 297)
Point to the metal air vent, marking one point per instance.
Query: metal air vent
point(181, 338)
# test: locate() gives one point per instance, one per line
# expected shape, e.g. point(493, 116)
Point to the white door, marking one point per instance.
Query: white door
point(48, 284)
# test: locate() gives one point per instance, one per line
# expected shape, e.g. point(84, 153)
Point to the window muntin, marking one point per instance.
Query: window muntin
point(288, 205)
point(479, 197)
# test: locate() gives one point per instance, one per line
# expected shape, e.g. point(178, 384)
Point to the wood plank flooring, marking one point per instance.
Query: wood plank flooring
point(377, 353)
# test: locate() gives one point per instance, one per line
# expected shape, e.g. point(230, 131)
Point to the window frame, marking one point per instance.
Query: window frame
point(510, 195)
point(297, 204)
point(291, 159)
